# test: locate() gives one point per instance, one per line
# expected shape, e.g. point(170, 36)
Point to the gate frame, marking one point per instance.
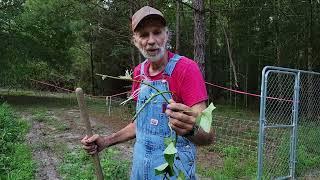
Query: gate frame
point(295, 112)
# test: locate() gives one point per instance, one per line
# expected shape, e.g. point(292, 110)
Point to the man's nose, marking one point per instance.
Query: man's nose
point(151, 40)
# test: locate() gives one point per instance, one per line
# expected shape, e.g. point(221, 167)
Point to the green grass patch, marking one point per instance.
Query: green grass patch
point(15, 156)
point(238, 163)
point(42, 115)
point(78, 165)
point(307, 151)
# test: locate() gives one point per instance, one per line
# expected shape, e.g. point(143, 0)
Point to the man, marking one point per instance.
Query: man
point(167, 72)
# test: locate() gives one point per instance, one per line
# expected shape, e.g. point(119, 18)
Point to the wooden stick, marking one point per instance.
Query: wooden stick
point(85, 118)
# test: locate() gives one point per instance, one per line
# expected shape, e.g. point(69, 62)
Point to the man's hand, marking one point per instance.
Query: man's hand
point(94, 144)
point(182, 118)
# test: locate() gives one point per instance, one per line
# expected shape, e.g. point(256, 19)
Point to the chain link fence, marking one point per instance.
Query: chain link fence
point(289, 125)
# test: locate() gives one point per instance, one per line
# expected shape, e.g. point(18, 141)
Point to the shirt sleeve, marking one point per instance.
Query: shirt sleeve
point(192, 88)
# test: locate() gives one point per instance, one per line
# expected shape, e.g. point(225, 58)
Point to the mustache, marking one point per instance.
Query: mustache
point(153, 47)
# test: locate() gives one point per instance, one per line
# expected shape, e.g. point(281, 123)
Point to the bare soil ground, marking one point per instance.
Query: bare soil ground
point(49, 139)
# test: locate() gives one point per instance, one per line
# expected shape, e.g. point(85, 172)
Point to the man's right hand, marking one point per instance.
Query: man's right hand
point(94, 144)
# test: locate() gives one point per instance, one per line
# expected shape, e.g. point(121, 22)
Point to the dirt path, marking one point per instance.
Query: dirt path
point(59, 131)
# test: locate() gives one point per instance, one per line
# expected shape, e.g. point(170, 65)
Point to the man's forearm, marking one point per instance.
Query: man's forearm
point(125, 134)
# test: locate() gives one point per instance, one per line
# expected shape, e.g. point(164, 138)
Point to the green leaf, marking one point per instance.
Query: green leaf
point(161, 169)
point(169, 158)
point(169, 153)
point(171, 149)
point(168, 140)
point(170, 170)
point(204, 120)
point(181, 176)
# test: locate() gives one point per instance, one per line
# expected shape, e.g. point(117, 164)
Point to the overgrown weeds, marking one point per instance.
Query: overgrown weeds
point(15, 156)
point(78, 164)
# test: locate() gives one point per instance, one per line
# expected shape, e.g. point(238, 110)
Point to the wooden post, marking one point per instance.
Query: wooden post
point(85, 118)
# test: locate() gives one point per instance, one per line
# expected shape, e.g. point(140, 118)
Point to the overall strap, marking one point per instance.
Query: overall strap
point(169, 67)
point(142, 68)
point(171, 64)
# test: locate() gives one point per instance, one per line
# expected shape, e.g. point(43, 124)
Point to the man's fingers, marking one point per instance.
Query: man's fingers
point(177, 106)
point(84, 140)
point(90, 147)
point(178, 130)
point(178, 115)
point(92, 138)
point(181, 108)
point(180, 124)
point(171, 101)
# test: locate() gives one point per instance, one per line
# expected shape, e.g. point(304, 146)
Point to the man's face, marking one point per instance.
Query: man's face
point(151, 39)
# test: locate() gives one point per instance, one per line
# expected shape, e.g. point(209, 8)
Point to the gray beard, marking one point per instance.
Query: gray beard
point(153, 58)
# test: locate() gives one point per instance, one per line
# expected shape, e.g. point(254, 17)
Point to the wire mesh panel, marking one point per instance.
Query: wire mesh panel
point(308, 143)
point(289, 143)
point(278, 122)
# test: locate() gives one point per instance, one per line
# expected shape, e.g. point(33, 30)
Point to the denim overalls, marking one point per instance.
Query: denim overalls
point(152, 128)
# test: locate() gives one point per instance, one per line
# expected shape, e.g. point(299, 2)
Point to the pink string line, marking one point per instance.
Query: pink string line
point(52, 85)
point(71, 91)
point(211, 84)
point(246, 93)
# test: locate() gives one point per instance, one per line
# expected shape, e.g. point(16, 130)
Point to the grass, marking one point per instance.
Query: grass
point(42, 115)
point(236, 143)
point(15, 156)
point(113, 167)
point(238, 163)
point(276, 162)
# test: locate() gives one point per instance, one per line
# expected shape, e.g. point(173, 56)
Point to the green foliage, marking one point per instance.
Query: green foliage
point(79, 165)
point(235, 165)
point(15, 156)
point(204, 120)
point(59, 35)
point(169, 155)
point(22, 163)
point(40, 115)
point(308, 151)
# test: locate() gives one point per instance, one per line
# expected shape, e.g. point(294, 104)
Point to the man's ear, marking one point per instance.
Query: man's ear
point(134, 40)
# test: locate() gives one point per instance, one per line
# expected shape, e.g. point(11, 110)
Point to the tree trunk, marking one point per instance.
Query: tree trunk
point(178, 27)
point(199, 34)
point(309, 64)
point(280, 88)
point(151, 3)
point(131, 47)
point(211, 59)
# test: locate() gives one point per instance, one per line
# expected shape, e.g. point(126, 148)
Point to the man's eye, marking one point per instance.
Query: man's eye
point(157, 32)
point(144, 35)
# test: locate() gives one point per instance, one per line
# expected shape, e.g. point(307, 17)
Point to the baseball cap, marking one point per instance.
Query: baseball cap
point(144, 12)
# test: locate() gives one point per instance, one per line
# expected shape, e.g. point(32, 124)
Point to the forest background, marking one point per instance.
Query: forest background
point(66, 42)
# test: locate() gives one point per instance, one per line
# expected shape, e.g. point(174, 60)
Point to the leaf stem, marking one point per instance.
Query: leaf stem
point(127, 79)
point(150, 98)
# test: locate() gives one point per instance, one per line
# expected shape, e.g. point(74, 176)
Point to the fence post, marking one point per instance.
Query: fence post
point(293, 147)
point(109, 106)
point(262, 121)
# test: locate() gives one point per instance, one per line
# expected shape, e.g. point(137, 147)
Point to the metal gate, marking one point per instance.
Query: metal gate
point(289, 123)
